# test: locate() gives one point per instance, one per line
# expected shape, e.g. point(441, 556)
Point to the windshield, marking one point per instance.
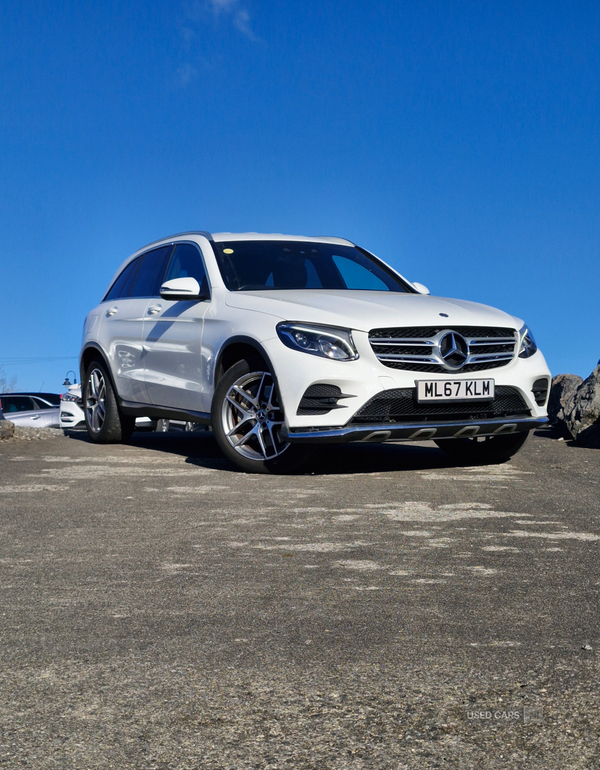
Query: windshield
point(265, 265)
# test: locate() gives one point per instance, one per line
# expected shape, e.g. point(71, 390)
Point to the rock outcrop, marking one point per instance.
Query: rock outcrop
point(562, 397)
point(7, 429)
point(36, 434)
point(574, 406)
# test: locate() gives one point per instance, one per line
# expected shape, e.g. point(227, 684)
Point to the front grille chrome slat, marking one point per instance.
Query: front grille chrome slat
point(395, 341)
point(490, 357)
point(406, 357)
point(488, 348)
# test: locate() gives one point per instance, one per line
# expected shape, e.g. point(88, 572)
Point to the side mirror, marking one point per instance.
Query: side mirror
point(421, 288)
point(181, 288)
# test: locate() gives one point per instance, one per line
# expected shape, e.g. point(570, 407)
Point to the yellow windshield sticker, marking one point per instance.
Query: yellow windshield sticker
point(227, 251)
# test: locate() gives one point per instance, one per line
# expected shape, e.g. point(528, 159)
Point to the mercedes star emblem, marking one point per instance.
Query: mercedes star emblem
point(454, 349)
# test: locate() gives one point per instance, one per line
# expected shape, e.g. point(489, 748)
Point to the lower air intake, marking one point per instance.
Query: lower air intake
point(399, 405)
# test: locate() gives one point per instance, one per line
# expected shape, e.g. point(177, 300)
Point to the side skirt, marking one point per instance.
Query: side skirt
point(134, 409)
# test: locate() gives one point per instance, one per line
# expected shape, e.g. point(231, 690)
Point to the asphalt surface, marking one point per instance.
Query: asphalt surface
point(386, 610)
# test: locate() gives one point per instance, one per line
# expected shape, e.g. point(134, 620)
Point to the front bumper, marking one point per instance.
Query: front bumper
point(376, 433)
point(366, 378)
point(71, 415)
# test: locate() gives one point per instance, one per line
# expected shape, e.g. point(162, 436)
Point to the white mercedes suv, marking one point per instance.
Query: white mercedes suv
point(280, 342)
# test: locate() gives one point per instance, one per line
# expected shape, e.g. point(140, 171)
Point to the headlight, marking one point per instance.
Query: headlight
point(325, 341)
point(527, 346)
point(70, 397)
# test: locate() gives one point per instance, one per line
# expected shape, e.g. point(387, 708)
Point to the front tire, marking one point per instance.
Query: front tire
point(247, 419)
point(104, 422)
point(484, 450)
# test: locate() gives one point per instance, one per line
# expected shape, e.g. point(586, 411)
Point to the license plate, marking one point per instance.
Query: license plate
point(455, 390)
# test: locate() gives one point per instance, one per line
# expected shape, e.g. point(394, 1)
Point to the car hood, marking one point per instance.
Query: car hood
point(365, 310)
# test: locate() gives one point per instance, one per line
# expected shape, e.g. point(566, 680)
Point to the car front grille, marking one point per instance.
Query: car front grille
point(399, 405)
point(415, 348)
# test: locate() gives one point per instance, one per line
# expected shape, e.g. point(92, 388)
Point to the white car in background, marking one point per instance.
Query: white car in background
point(72, 415)
point(71, 409)
point(31, 410)
point(281, 342)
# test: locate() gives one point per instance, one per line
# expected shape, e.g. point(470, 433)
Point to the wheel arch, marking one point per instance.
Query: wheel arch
point(236, 349)
point(94, 352)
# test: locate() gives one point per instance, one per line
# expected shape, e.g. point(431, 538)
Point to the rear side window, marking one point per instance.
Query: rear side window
point(186, 262)
point(149, 277)
point(41, 404)
point(122, 286)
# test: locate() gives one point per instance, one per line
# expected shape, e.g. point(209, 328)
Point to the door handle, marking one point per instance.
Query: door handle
point(37, 417)
point(112, 311)
point(154, 309)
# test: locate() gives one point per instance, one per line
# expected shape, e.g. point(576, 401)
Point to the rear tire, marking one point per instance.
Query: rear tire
point(247, 419)
point(104, 421)
point(484, 450)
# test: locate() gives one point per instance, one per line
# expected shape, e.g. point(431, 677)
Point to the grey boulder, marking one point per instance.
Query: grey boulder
point(575, 406)
point(583, 421)
point(7, 429)
point(562, 397)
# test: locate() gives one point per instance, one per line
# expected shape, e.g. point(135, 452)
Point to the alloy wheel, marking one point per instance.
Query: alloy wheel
point(95, 401)
point(252, 417)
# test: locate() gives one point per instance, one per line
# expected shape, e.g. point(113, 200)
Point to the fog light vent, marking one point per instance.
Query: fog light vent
point(540, 390)
point(320, 399)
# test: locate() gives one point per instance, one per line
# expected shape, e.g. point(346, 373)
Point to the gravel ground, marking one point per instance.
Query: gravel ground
point(385, 610)
point(35, 434)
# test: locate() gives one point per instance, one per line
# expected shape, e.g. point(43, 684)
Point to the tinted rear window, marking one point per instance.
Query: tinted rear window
point(151, 273)
point(122, 286)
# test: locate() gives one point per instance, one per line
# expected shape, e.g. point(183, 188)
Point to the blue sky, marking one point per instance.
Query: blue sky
point(456, 140)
